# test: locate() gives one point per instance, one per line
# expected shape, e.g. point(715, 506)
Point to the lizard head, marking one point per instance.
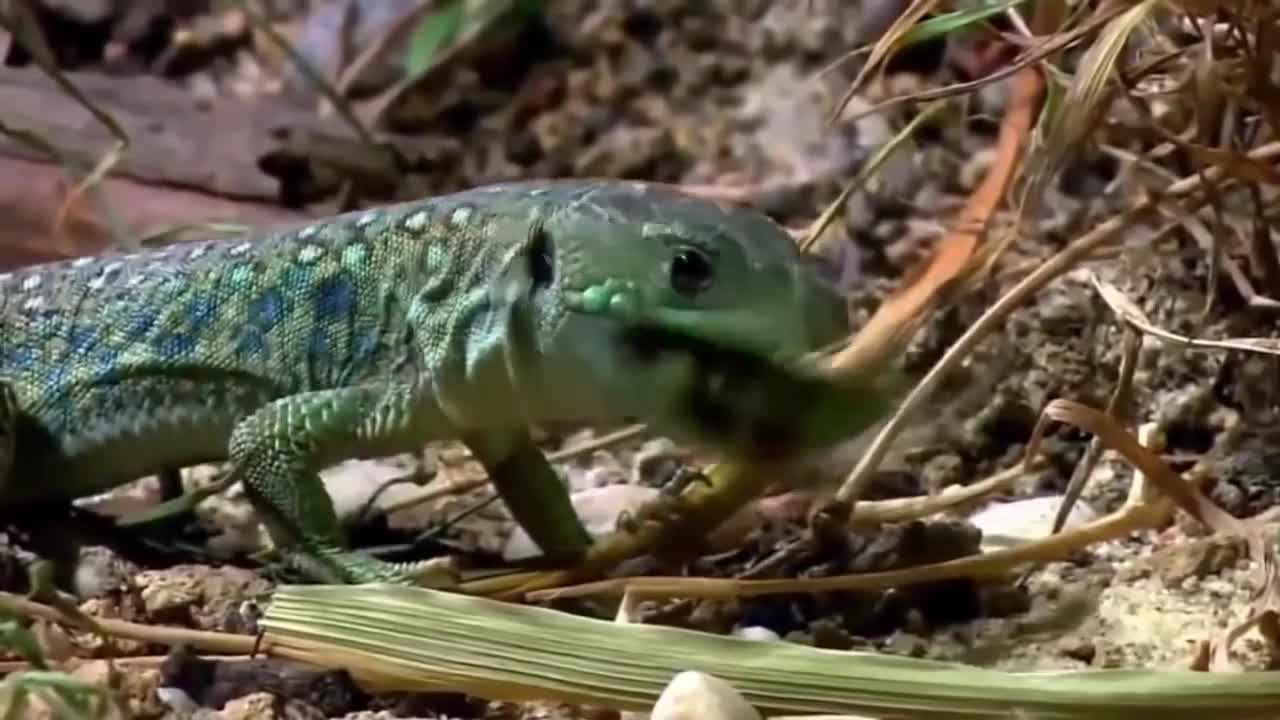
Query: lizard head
point(676, 311)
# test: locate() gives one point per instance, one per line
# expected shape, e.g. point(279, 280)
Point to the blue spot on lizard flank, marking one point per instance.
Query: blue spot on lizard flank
point(21, 357)
point(106, 358)
point(174, 345)
point(267, 310)
point(318, 346)
point(140, 326)
point(297, 278)
point(200, 313)
point(252, 344)
point(324, 368)
point(82, 338)
point(58, 377)
point(335, 297)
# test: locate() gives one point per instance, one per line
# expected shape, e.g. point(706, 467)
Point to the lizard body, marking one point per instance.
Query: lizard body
point(464, 316)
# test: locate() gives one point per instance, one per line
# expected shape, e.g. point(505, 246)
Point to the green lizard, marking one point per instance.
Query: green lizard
point(465, 316)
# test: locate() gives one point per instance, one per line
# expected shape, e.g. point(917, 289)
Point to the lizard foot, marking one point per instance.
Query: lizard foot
point(355, 568)
point(662, 511)
point(668, 507)
point(682, 478)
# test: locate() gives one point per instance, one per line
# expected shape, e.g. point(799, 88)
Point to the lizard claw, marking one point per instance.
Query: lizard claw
point(662, 511)
point(682, 478)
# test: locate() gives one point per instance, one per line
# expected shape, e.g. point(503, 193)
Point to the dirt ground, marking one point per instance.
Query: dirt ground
point(731, 93)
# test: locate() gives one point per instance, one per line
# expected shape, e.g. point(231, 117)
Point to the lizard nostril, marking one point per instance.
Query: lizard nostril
point(542, 259)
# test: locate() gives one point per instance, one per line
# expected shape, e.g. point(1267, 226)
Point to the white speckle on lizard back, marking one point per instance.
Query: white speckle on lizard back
point(242, 275)
point(198, 252)
point(416, 221)
point(82, 261)
point(33, 303)
point(366, 219)
point(32, 282)
point(307, 231)
point(310, 253)
point(104, 276)
point(240, 249)
point(136, 280)
point(354, 255)
point(460, 216)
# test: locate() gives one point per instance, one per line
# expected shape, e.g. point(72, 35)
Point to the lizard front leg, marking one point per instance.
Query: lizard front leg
point(532, 492)
point(278, 451)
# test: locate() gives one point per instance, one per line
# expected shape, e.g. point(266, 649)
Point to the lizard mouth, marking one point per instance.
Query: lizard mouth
point(750, 404)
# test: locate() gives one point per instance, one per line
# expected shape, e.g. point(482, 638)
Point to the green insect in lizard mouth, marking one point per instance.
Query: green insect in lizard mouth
point(703, 343)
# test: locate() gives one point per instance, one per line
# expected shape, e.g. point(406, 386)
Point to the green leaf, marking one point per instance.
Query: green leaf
point(436, 31)
point(951, 22)
point(393, 637)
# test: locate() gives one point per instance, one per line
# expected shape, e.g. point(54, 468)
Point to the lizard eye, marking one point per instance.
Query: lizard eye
point(691, 272)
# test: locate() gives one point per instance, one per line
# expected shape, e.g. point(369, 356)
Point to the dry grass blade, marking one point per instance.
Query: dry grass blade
point(1118, 405)
point(887, 43)
point(959, 258)
point(399, 638)
point(1235, 164)
point(1183, 494)
point(1129, 311)
point(24, 28)
point(869, 169)
point(1084, 100)
point(379, 48)
point(314, 76)
point(1037, 53)
point(1117, 438)
point(479, 21)
point(1037, 279)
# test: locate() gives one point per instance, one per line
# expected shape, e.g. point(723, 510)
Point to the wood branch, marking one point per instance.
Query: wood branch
point(190, 160)
point(32, 194)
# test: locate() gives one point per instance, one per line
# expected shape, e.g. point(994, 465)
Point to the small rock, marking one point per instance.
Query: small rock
point(693, 695)
point(655, 462)
point(169, 600)
point(53, 641)
point(756, 632)
point(1197, 558)
point(1229, 497)
point(976, 167)
point(1020, 521)
point(99, 572)
point(1082, 650)
point(902, 643)
point(137, 686)
point(120, 606)
point(625, 152)
point(1004, 601)
point(203, 596)
point(829, 635)
point(593, 477)
point(177, 700)
point(256, 706)
point(941, 471)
